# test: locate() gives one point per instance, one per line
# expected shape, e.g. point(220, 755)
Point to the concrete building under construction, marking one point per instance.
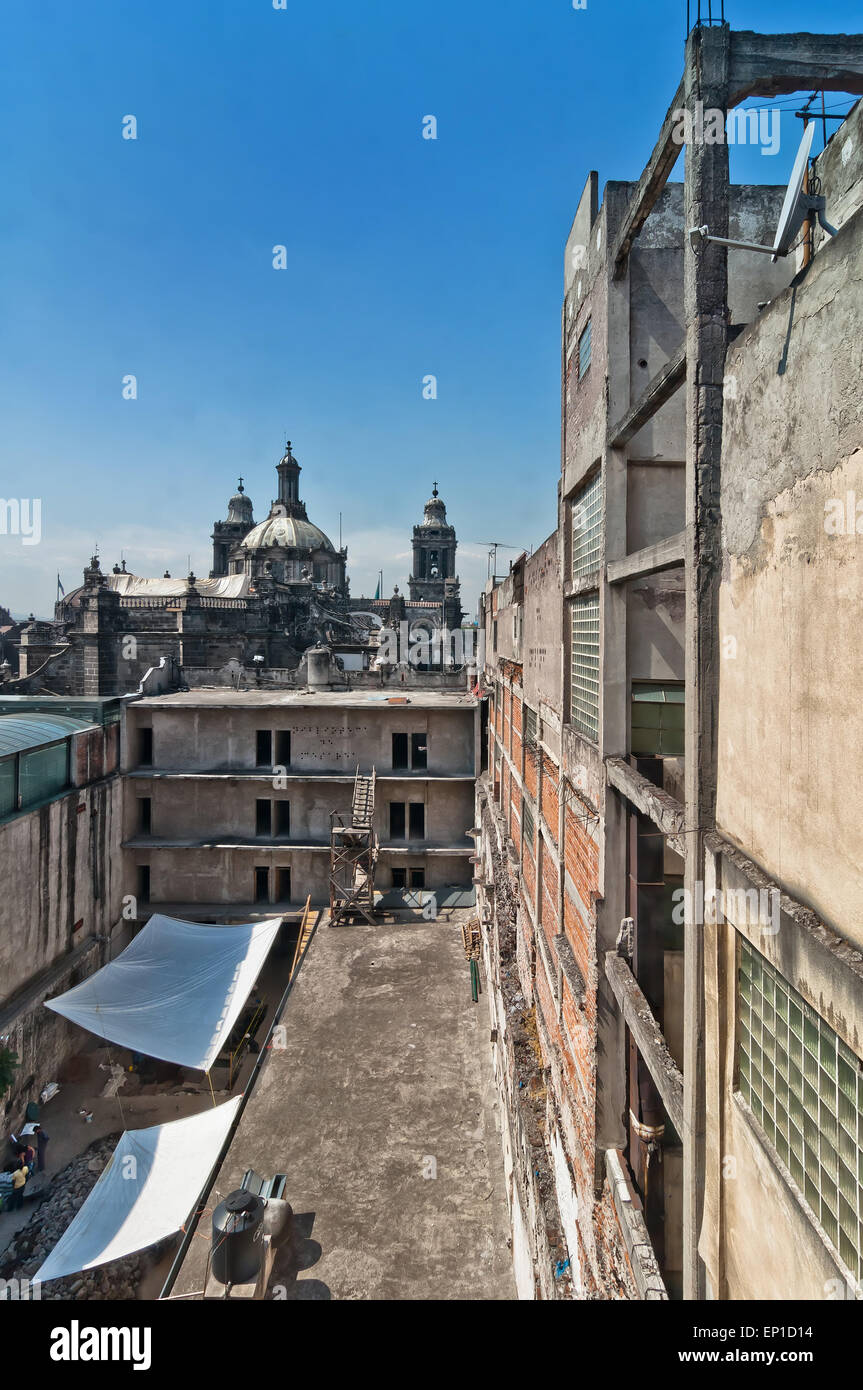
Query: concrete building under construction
point(670, 823)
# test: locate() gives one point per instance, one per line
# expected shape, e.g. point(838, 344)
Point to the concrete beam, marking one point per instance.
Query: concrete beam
point(664, 555)
point(772, 64)
point(654, 178)
point(645, 1270)
point(648, 1036)
point(667, 381)
point(666, 814)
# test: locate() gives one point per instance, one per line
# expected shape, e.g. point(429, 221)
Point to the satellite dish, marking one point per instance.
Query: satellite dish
point(795, 209)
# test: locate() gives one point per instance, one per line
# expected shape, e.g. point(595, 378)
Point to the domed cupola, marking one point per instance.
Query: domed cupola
point(435, 510)
point(240, 509)
point(228, 533)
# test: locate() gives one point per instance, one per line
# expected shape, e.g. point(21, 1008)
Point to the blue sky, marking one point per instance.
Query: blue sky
point(302, 127)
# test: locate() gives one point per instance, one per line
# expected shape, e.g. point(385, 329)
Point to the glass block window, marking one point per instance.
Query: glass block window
point(584, 350)
point(529, 824)
point(805, 1089)
point(584, 665)
point(587, 528)
point(658, 714)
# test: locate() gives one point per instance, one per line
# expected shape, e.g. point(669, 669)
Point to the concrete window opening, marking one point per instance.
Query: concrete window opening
point(399, 878)
point(144, 883)
point(262, 885)
point(263, 817)
point(654, 1149)
point(283, 747)
point(145, 814)
point(283, 885)
point(419, 751)
point(397, 820)
point(145, 747)
point(804, 1087)
point(528, 823)
point(658, 717)
point(531, 727)
point(263, 748)
point(417, 821)
point(283, 818)
point(400, 751)
point(584, 350)
point(418, 878)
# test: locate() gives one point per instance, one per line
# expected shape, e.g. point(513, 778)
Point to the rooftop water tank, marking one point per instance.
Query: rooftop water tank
point(237, 1238)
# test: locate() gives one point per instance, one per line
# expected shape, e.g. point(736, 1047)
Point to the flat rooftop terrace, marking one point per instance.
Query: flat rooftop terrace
point(380, 1110)
point(223, 698)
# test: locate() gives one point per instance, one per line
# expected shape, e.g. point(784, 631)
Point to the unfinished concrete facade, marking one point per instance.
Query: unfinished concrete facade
point(229, 794)
point(665, 765)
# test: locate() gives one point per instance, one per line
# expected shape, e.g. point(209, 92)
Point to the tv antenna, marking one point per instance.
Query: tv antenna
point(493, 548)
point(795, 211)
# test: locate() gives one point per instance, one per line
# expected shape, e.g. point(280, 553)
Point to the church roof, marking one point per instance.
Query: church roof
point(288, 532)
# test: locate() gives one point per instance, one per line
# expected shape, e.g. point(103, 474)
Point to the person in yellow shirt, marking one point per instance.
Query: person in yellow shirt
point(19, 1180)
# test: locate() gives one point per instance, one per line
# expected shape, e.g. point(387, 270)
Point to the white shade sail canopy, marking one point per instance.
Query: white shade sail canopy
point(175, 992)
point(145, 1193)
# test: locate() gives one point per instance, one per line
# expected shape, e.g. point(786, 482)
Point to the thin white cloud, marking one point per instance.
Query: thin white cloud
point(28, 574)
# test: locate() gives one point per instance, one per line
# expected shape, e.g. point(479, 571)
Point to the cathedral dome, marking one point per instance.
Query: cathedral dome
point(288, 532)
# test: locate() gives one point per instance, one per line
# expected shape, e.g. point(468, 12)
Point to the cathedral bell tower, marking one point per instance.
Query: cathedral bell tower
point(433, 576)
point(228, 533)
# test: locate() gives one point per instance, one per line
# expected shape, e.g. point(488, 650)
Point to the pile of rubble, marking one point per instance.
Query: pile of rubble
point(67, 1192)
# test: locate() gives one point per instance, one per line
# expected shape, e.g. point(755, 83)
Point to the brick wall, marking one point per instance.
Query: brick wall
point(562, 998)
point(550, 917)
point(581, 857)
point(530, 778)
point(549, 791)
point(528, 874)
point(516, 729)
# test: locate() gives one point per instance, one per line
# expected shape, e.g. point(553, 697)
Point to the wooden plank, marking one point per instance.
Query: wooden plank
point(649, 1039)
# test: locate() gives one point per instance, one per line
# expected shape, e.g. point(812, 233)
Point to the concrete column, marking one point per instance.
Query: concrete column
point(705, 304)
point(611, 1102)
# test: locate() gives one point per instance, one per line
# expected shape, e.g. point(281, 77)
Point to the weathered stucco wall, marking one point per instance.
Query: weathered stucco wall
point(62, 881)
point(790, 723)
point(542, 642)
point(60, 865)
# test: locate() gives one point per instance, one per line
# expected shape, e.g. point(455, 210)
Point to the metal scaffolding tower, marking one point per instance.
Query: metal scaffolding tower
point(353, 855)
